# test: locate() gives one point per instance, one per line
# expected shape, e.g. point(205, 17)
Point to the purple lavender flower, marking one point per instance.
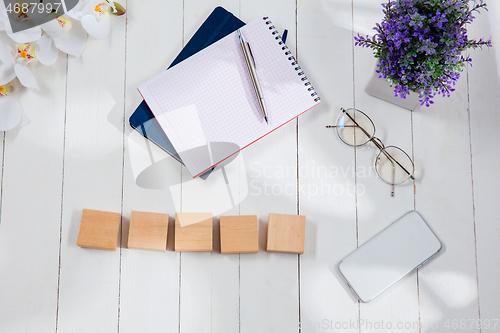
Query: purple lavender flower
point(420, 43)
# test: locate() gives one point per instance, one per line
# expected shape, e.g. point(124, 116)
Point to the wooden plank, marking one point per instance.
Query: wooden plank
point(326, 174)
point(149, 286)
point(376, 209)
point(448, 282)
point(485, 121)
point(209, 282)
point(31, 207)
point(93, 169)
point(269, 281)
point(2, 136)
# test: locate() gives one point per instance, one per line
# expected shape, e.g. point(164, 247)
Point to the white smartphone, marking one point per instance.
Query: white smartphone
point(389, 256)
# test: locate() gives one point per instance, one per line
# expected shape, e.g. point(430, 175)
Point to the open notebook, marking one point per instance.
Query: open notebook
point(206, 104)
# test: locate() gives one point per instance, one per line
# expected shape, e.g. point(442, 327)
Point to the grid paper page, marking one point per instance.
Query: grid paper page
point(207, 106)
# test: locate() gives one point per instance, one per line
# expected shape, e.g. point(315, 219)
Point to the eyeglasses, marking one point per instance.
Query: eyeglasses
point(392, 164)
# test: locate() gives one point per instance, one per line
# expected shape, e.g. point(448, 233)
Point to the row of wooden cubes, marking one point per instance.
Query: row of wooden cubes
point(193, 232)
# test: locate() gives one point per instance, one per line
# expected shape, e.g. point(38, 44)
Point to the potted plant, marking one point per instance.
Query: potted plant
point(420, 45)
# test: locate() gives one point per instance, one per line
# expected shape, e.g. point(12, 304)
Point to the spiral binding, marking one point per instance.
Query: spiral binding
point(292, 60)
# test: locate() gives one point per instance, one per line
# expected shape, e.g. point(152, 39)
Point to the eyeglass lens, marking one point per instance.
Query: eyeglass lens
point(393, 165)
point(348, 130)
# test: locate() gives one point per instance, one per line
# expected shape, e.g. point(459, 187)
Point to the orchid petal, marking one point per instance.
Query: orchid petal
point(6, 54)
point(74, 41)
point(76, 12)
point(53, 28)
point(11, 113)
point(65, 23)
point(25, 36)
point(94, 28)
point(26, 77)
point(45, 50)
point(90, 7)
point(7, 73)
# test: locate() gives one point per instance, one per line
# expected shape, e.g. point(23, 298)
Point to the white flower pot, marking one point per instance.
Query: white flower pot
point(380, 88)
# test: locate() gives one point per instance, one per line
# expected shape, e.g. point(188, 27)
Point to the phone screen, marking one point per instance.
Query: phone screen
point(389, 256)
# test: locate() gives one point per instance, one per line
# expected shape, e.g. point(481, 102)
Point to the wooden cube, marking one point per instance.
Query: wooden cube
point(99, 229)
point(239, 234)
point(195, 236)
point(148, 231)
point(286, 233)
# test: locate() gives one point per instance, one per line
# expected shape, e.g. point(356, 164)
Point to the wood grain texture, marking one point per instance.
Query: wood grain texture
point(148, 231)
point(286, 233)
point(239, 234)
point(484, 88)
point(448, 282)
point(99, 229)
point(149, 280)
point(326, 166)
point(193, 237)
point(31, 206)
point(93, 177)
point(2, 141)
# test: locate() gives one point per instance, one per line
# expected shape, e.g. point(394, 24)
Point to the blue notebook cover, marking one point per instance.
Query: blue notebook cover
point(219, 24)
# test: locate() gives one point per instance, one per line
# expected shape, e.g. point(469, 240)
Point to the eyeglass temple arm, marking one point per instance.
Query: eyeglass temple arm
point(393, 178)
point(379, 146)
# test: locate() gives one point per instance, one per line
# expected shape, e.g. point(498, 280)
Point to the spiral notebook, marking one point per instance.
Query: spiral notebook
point(206, 104)
point(219, 24)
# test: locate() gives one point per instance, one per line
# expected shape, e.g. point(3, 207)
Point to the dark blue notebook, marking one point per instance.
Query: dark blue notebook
point(219, 24)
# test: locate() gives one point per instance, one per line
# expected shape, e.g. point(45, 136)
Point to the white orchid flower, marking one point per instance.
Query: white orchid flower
point(94, 16)
point(14, 65)
point(63, 34)
point(11, 112)
point(67, 36)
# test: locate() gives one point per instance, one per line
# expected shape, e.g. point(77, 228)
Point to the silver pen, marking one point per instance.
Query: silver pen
point(247, 54)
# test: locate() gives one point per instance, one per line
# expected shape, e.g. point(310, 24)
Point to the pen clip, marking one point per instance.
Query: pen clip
point(251, 54)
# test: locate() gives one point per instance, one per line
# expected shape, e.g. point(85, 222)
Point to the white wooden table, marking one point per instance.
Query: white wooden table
point(79, 152)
